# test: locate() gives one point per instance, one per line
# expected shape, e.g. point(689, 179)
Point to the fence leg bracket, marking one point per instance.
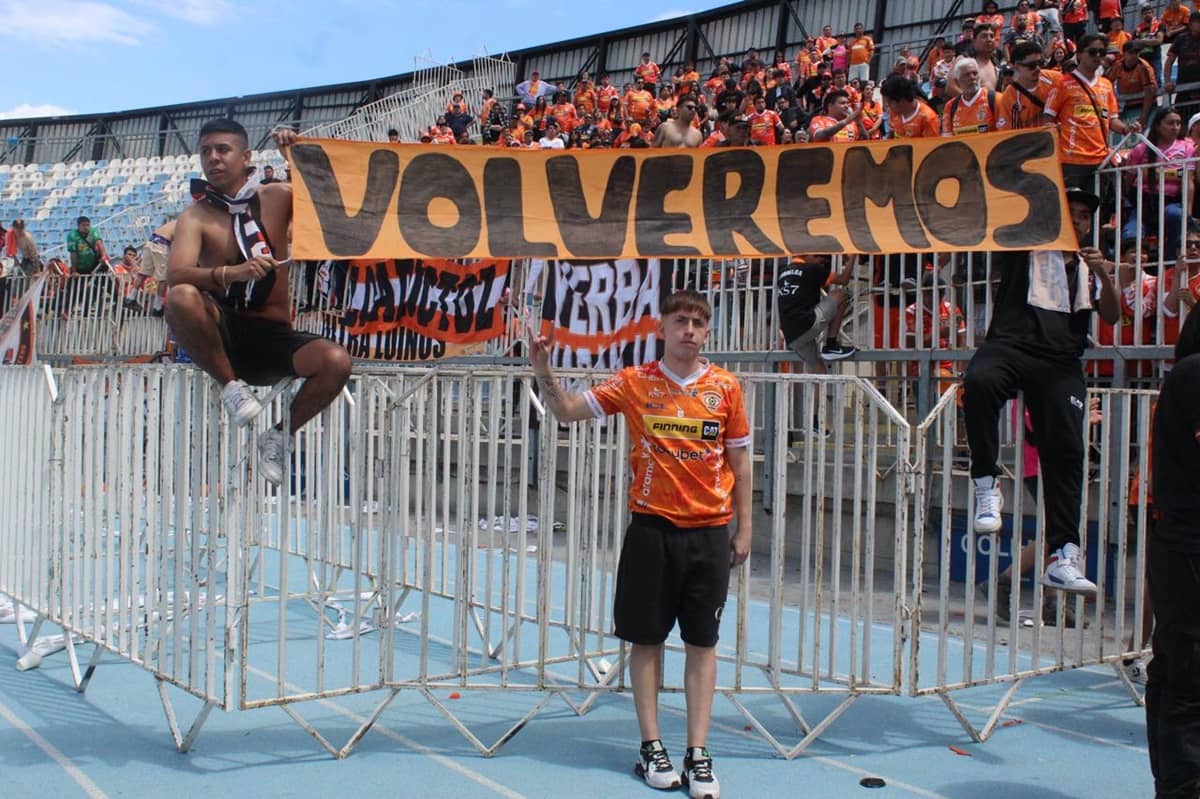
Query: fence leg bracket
point(183, 743)
point(363, 729)
point(810, 733)
point(484, 749)
point(981, 735)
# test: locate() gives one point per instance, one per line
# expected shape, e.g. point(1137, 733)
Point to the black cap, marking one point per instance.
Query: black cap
point(1083, 196)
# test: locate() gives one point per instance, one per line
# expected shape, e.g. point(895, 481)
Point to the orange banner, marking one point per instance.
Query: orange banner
point(998, 191)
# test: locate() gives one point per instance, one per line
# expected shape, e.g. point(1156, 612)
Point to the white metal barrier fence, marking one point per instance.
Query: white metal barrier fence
point(978, 622)
point(437, 531)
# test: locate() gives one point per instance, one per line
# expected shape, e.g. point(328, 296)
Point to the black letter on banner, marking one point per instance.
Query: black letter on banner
point(347, 236)
point(505, 212)
point(652, 224)
point(584, 235)
point(428, 177)
point(798, 170)
point(724, 216)
point(963, 224)
point(890, 181)
point(1044, 220)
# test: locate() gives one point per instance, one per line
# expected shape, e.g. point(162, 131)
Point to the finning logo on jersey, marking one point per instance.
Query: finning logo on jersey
point(712, 400)
point(692, 429)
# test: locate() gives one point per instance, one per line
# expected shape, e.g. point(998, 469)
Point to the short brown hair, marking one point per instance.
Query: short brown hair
point(687, 301)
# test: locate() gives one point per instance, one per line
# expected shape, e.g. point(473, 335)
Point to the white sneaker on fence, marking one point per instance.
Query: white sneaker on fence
point(271, 446)
point(988, 504)
point(654, 766)
point(240, 402)
point(1063, 572)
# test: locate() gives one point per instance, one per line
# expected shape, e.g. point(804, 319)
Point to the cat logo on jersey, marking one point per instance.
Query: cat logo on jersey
point(693, 429)
point(712, 400)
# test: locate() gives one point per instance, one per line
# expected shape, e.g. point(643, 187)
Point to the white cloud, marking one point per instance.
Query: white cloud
point(54, 22)
point(199, 12)
point(26, 111)
point(670, 13)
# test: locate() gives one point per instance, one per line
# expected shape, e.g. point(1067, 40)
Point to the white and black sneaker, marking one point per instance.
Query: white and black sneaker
point(698, 774)
point(654, 766)
point(241, 402)
point(837, 352)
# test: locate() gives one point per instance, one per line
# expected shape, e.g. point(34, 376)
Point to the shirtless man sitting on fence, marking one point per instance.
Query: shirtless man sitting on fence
point(228, 303)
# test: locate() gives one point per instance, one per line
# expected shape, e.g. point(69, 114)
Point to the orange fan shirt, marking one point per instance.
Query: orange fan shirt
point(1175, 18)
point(861, 50)
point(647, 72)
point(585, 97)
point(995, 20)
point(1081, 134)
point(679, 431)
point(848, 133)
point(638, 105)
point(1075, 13)
point(825, 42)
point(924, 122)
point(566, 117)
point(963, 117)
point(872, 112)
point(805, 66)
point(1015, 110)
point(605, 93)
point(763, 126)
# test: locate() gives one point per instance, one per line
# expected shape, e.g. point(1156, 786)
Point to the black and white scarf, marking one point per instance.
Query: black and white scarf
point(251, 240)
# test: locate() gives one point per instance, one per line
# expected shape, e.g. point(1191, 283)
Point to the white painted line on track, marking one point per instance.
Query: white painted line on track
point(441, 760)
point(75, 773)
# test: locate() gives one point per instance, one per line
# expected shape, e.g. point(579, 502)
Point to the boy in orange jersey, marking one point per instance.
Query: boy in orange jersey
point(910, 117)
point(690, 476)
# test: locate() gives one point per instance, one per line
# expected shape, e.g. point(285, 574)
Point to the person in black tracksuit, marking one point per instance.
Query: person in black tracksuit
point(1039, 352)
point(1173, 680)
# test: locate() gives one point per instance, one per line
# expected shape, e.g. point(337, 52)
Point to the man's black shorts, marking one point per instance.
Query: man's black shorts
point(668, 573)
point(259, 350)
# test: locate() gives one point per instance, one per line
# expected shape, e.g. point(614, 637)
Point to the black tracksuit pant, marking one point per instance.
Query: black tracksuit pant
point(1056, 397)
point(1173, 684)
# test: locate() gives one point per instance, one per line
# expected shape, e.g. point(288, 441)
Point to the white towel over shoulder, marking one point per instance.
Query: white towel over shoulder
point(1048, 287)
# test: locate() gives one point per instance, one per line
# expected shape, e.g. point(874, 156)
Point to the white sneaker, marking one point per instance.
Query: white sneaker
point(698, 775)
point(271, 446)
point(241, 403)
point(1063, 572)
point(654, 766)
point(988, 504)
point(1135, 670)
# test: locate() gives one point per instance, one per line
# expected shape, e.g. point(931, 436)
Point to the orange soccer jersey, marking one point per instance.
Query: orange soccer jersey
point(923, 122)
point(963, 117)
point(1014, 109)
point(679, 431)
point(1081, 134)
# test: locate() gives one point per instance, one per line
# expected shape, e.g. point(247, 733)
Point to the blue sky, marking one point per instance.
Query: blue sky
point(87, 56)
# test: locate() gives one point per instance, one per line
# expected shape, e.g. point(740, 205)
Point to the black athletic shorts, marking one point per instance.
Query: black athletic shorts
point(668, 573)
point(259, 350)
